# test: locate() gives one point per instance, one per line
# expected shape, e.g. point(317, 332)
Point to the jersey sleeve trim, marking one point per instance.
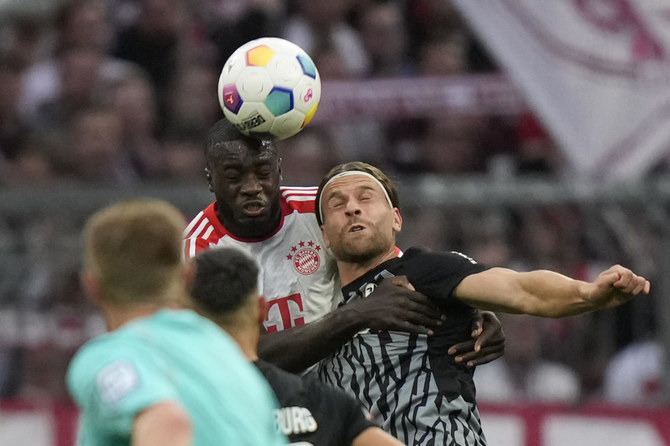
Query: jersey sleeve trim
point(300, 199)
point(204, 229)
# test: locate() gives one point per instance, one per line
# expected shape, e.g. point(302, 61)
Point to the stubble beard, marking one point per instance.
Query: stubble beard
point(360, 252)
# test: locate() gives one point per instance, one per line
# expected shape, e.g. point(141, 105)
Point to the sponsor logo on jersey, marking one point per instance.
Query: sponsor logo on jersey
point(295, 420)
point(116, 381)
point(305, 257)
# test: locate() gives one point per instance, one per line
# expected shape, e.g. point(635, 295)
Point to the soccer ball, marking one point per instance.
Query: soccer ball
point(269, 87)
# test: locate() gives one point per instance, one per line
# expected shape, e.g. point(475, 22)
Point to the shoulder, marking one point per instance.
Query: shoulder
point(107, 359)
point(203, 230)
point(427, 256)
point(436, 272)
point(199, 225)
point(298, 198)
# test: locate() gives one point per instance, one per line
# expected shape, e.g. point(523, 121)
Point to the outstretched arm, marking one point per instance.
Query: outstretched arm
point(547, 293)
point(394, 305)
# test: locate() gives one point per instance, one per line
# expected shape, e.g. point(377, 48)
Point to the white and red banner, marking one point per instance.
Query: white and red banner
point(597, 72)
point(54, 424)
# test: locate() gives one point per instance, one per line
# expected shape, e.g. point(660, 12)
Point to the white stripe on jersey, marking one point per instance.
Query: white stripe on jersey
point(300, 188)
point(306, 192)
point(300, 198)
point(197, 232)
point(206, 226)
point(193, 222)
point(208, 232)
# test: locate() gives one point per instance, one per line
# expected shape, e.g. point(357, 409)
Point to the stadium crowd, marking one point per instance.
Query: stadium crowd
point(120, 93)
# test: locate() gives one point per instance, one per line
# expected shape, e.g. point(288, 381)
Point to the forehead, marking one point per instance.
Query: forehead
point(244, 151)
point(351, 183)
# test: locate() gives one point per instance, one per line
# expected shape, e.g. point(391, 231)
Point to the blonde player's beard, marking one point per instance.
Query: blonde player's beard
point(361, 252)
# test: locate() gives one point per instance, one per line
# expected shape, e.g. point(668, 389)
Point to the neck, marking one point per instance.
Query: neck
point(245, 335)
point(116, 316)
point(350, 271)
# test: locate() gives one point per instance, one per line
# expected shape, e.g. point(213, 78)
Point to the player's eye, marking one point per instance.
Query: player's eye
point(232, 176)
point(263, 174)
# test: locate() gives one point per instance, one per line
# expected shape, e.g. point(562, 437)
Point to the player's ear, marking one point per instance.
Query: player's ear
point(92, 287)
point(208, 175)
point(325, 237)
point(397, 220)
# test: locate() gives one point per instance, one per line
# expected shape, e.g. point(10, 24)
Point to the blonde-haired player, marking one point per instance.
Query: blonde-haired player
point(162, 375)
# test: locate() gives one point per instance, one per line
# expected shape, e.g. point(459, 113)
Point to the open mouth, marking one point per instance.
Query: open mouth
point(253, 209)
point(356, 228)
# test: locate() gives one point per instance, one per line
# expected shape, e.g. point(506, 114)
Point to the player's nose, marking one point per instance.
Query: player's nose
point(251, 185)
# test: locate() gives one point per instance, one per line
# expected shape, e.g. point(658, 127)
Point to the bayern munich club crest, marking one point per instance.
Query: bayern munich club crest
point(305, 257)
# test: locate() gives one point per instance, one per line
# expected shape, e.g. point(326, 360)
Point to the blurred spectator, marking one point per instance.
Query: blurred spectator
point(161, 40)
point(306, 157)
point(82, 28)
point(537, 154)
point(231, 23)
point(34, 164)
point(44, 366)
point(23, 37)
point(443, 56)
point(193, 102)
point(522, 374)
point(446, 145)
point(95, 148)
point(135, 103)
point(183, 159)
point(80, 85)
point(431, 19)
point(360, 139)
point(323, 23)
point(12, 128)
point(430, 227)
point(635, 375)
point(11, 372)
point(385, 38)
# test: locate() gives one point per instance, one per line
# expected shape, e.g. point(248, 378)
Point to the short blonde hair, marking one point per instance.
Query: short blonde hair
point(134, 248)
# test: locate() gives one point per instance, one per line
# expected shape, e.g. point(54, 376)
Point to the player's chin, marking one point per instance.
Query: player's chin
point(355, 252)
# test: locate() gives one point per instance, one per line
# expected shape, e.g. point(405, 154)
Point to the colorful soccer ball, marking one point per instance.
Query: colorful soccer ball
point(269, 87)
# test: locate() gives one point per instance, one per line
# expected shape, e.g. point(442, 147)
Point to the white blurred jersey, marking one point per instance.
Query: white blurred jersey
point(298, 275)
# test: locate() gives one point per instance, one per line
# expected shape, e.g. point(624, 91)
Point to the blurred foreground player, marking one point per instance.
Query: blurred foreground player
point(277, 226)
point(415, 391)
point(162, 375)
point(225, 290)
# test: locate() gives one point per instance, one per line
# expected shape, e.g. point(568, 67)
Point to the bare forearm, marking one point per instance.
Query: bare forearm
point(547, 293)
point(297, 348)
point(540, 293)
point(551, 294)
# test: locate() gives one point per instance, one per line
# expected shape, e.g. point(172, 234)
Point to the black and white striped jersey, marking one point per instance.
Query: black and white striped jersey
point(409, 383)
